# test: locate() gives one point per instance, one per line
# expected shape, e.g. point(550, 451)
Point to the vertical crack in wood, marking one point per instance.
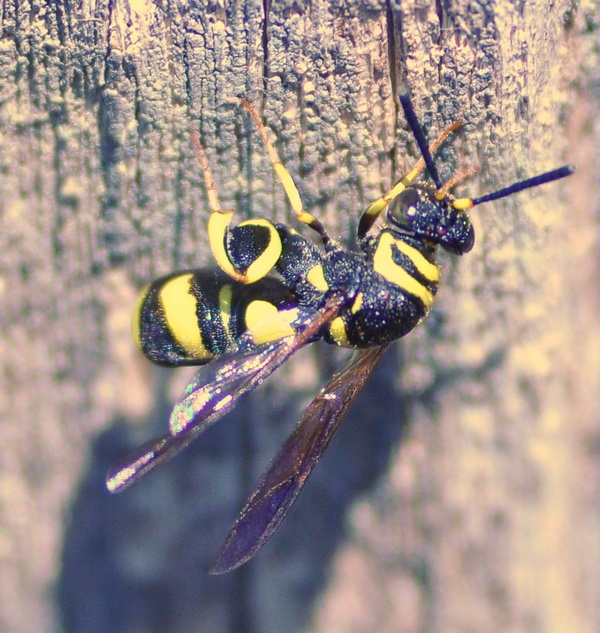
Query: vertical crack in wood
point(265, 43)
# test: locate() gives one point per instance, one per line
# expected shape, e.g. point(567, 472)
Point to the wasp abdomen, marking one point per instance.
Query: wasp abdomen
point(191, 317)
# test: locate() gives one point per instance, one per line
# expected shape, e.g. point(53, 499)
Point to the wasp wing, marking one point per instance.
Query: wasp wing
point(280, 484)
point(224, 376)
point(211, 394)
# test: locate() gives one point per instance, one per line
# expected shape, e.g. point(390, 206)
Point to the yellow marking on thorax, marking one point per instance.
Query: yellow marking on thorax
point(337, 329)
point(422, 264)
point(137, 316)
point(225, 295)
point(266, 323)
point(179, 306)
point(357, 305)
point(316, 278)
point(385, 266)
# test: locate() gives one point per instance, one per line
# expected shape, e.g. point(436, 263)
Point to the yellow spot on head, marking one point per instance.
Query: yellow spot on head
point(122, 476)
point(116, 481)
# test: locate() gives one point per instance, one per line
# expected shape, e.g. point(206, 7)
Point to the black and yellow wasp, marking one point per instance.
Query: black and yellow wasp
point(274, 292)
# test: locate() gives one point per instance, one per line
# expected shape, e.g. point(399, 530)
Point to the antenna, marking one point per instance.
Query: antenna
point(417, 130)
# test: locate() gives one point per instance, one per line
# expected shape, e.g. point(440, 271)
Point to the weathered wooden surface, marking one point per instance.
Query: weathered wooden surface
point(482, 513)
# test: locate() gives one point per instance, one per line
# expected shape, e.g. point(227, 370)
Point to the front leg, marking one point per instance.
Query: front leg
point(247, 252)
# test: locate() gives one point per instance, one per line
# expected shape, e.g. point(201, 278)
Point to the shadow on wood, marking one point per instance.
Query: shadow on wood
point(139, 560)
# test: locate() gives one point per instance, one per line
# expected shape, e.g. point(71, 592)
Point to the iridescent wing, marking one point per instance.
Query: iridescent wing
point(281, 483)
point(228, 376)
point(214, 391)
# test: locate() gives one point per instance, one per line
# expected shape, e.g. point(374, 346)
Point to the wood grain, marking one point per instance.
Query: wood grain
point(463, 493)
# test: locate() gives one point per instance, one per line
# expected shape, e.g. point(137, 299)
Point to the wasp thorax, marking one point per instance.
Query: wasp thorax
point(418, 212)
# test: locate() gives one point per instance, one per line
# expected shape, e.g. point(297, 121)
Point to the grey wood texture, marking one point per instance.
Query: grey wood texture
point(463, 492)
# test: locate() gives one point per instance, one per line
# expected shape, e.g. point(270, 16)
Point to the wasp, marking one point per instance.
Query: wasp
point(275, 291)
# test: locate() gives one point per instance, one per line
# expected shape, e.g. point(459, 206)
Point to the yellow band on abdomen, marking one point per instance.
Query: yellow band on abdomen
point(179, 307)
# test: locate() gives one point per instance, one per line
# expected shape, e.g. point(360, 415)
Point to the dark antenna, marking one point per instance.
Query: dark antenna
point(466, 203)
point(541, 179)
point(417, 130)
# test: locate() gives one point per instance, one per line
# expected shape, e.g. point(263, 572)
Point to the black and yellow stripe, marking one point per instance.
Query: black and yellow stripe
point(396, 286)
point(190, 317)
point(406, 267)
point(247, 252)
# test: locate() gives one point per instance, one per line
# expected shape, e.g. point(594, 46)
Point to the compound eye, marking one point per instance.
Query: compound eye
point(403, 210)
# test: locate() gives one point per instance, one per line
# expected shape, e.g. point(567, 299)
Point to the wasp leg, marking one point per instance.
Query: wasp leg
point(286, 179)
point(219, 222)
point(372, 213)
point(246, 252)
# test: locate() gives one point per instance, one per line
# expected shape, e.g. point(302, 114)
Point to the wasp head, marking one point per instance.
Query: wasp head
point(418, 212)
